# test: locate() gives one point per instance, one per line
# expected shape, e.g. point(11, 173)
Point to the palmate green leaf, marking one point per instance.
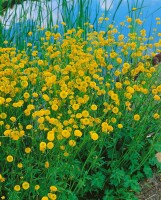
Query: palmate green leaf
point(123, 194)
point(109, 195)
point(131, 183)
point(98, 180)
point(117, 176)
point(148, 171)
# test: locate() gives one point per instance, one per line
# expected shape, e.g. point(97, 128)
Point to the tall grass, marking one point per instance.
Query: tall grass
point(72, 13)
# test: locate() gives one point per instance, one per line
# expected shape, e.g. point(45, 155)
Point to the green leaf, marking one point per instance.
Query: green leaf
point(148, 171)
point(98, 180)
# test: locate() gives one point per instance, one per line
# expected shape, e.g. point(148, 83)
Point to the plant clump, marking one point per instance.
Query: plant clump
point(68, 129)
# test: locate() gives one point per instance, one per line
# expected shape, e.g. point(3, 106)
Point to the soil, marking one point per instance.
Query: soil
point(151, 189)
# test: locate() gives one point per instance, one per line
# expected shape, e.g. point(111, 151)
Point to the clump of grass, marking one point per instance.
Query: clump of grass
point(68, 129)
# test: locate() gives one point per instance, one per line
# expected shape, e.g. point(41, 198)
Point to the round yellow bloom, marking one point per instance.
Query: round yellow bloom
point(78, 133)
point(50, 136)
point(19, 165)
point(35, 94)
point(50, 145)
point(53, 188)
point(17, 188)
point(42, 146)
point(72, 143)
point(54, 107)
point(63, 94)
point(45, 97)
point(37, 187)
point(27, 150)
point(29, 126)
point(47, 165)
point(13, 119)
point(30, 33)
point(40, 62)
point(129, 19)
point(136, 117)
point(94, 136)
point(156, 97)
point(52, 196)
point(115, 110)
point(118, 85)
point(25, 185)
point(65, 133)
point(85, 113)
point(156, 116)
point(45, 198)
point(93, 107)
point(26, 95)
point(9, 158)
point(120, 126)
point(3, 116)
point(75, 106)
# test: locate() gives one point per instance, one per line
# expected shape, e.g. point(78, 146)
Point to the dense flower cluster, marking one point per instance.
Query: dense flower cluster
point(54, 99)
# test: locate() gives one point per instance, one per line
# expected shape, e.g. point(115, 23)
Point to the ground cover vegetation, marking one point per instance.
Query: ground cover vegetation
point(69, 127)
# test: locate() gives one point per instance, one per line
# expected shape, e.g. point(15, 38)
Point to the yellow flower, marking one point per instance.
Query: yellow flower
point(3, 115)
point(130, 89)
point(25, 185)
point(19, 165)
point(156, 97)
point(52, 196)
point(94, 136)
point(37, 187)
point(50, 136)
point(35, 94)
point(78, 133)
point(45, 198)
point(129, 19)
point(66, 154)
point(2, 100)
point(65, 133)
point(45, 97)
point(115, 110)
point(63, 94)
point(117, 73)
point(118, 85)
point(29, 126)
point(26, 95)
point(133, 9)
point(42, 146)
point(2, 179)
point(27, 150)
point(9, 158)
point(13, 119)
point(85, 113)
point(72, 143)
point(113, 120)
point(50, 145)
point(40, 62)
point(30, 33)
point(47, 164)
point(47, 33)
point(17, 188)
point(120, 126)
point(75, 106)
point(93, 107)
point(53, 188)
point(136, 117)
point(156, 116)
point(54, 107)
